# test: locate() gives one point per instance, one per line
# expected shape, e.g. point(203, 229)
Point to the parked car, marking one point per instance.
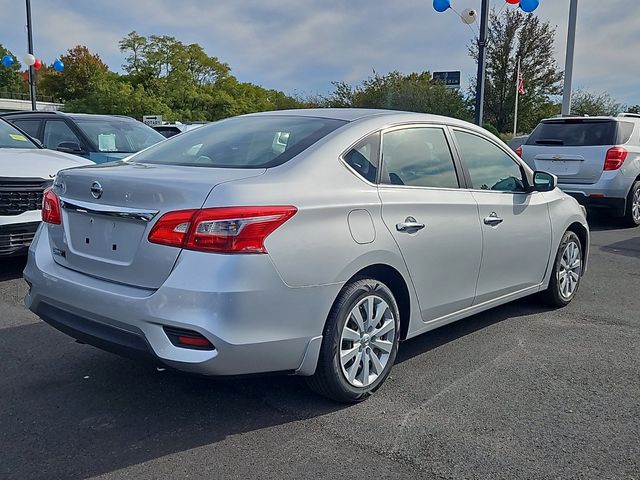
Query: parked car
point(99, 138)
point(517, 142)
point(170, 129)
point(596, 159)
point(25, 171)
point(219, 253)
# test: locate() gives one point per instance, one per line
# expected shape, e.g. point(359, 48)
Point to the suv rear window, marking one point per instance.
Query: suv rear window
point(576, 133)
point(241, 142)
point(581, 133)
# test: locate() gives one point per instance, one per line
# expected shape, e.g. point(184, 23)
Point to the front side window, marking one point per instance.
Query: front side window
point(489, 166)
point(119, 135)
point(241, 142)
point(10, 137)
point(363, 157)
point(418, 157)
point(57, 132)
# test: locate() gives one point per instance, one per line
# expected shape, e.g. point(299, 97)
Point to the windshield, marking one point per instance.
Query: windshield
point(10, 137)
point(242, 142)
point(116, 135)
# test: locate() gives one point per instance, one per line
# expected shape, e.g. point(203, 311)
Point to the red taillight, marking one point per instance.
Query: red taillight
point(51, 207)
point(519, 151)
point(222, 230)
point(615, 158)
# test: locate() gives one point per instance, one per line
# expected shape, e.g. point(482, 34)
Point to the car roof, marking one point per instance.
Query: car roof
point(355, 114)
point(84, 116)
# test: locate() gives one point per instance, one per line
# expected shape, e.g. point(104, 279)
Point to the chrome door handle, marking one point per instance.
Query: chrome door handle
point(493, 220)
point(409, 225)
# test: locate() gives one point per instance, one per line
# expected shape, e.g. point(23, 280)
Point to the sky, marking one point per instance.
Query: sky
point(301, 46)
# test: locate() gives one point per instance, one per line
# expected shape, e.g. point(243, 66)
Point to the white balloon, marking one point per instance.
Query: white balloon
point(29, 59)
point(469, 16)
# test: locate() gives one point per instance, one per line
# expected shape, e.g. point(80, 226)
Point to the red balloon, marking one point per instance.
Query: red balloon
point(38, 64)
point(513, 2)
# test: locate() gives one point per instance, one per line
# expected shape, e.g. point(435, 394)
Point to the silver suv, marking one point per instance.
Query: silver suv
point(596, 159)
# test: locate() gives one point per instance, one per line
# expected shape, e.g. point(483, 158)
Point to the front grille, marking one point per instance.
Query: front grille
point(16, 237)
point(19, 195)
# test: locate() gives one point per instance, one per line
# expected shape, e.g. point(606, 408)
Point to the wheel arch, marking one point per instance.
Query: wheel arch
point(393, 279)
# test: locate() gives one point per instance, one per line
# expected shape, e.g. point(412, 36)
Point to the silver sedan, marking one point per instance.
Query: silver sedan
point(306, 242)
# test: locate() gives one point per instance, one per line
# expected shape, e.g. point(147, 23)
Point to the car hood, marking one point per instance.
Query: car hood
point(36, 163)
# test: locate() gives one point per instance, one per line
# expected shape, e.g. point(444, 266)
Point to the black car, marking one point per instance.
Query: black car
point(99, 138)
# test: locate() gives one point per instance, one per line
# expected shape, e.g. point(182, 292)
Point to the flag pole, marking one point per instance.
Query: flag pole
point(515, 116)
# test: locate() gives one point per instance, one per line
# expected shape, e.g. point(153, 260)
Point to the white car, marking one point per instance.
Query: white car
point(26, 169)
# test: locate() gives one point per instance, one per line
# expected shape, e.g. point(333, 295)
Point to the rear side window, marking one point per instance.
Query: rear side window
point(418, 157)
point(363, 158)
point(575, 133)
point(242, 142)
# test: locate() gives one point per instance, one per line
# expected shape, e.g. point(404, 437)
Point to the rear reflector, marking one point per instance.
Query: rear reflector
point(181, 337)
point(222, 230)
point(51, 207)
point(615, 158)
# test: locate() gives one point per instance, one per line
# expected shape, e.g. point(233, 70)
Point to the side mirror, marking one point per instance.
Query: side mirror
point(544, 182)
point(69, 147)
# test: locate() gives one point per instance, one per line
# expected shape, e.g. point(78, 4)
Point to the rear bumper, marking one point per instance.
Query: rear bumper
point(255, 322)
point(616, 204)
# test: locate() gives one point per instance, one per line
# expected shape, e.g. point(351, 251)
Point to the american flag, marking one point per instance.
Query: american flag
point(521, 89)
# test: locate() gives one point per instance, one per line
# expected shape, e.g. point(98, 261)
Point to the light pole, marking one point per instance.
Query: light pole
point(482, 62)
point(568, 64)
point(32, 70)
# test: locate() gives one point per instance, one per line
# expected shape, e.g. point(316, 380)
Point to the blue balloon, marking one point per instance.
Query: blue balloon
point(529, 5)
point(58, 66)
point(7, 60)
point(441, 5)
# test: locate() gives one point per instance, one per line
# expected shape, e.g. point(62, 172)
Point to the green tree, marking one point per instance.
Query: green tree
point(414, 92)
point(584, 102)
point(512, 35)
point(10, 79)
point(83, 71)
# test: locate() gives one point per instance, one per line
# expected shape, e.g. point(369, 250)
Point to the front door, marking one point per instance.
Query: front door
point(434, 222)
point(516, 229)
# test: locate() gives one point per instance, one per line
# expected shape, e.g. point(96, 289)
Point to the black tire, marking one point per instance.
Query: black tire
point(553, 295)
point(329, 379)
point(629, 220)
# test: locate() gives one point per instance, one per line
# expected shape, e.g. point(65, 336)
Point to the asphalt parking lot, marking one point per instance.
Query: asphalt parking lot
point(516, 392)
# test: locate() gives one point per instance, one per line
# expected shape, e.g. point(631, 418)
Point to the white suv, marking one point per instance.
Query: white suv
point(26, 169)
point(596, 159)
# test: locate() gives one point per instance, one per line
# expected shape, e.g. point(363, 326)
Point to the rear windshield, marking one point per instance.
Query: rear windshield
point(241, 142)
point(576, 133)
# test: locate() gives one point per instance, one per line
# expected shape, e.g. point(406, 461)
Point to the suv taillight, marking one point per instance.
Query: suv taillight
point(615, 158)
point(519, 151)
point(51, 207)
point(222, 230)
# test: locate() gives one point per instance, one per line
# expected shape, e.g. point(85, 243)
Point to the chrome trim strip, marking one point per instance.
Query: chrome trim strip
point(108, 210)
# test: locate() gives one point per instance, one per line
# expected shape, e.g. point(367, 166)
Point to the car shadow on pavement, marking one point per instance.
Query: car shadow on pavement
point(72, 411)
point(12, 267)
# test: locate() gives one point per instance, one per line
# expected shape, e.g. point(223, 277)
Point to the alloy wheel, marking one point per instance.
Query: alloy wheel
point(570, 270)
point(367, 341)
point(635, 206)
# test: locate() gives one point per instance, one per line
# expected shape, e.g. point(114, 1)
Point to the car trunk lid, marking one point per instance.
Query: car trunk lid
point(109, 210)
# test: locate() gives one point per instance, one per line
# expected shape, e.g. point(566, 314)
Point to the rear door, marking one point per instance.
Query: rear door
point(434, 221)
point(574, 149)
point(516, 229)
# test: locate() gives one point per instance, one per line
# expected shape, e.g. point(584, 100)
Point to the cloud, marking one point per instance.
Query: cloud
point(303, 45)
